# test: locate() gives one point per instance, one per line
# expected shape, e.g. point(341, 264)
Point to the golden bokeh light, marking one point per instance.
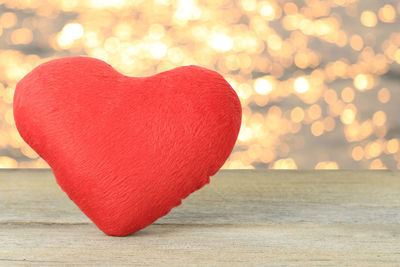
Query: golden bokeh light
point(392, 146)
point(286, 163)
point(311, 75)
point(384, 95)
point(301, 85)
point(330, 96)
point(377, 164)
point(356, 42)
point(263, 86)
point(348, 116)
point(387, 14)
point(329, 124)
point(357, 153)
point(327, 165)
point(373, 149)
point(221, 42)
point(368, 18)
point(69, 34)
point(21, 36)
point(314, 112)
point(7, 162)
point(8, 20)
point(379, 118)
point(348, 94)
point(363, 81)
point(317, 128)
point(297, 114)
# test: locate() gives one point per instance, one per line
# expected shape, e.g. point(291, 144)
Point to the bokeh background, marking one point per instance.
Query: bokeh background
point(319, 80)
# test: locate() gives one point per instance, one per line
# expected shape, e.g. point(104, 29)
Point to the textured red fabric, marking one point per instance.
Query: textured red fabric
point(127, 150)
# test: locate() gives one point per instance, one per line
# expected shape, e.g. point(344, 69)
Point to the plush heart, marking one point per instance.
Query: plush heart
point(127, 150)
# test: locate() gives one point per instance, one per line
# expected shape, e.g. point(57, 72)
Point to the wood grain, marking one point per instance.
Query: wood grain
point(244, 217)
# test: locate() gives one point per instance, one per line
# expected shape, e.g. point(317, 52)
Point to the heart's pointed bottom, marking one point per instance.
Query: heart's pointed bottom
point(126, 227)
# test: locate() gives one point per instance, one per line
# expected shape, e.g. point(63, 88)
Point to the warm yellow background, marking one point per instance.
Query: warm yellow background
point(318, 80)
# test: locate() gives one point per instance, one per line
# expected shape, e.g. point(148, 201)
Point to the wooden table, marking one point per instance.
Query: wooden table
point(244, 217)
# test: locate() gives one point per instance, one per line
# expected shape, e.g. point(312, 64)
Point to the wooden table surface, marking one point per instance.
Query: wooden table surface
point(243, 217)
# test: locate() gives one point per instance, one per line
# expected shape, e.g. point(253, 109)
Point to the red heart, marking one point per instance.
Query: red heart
point(127, 150)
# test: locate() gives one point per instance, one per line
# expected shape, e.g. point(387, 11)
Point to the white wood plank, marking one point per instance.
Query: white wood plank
point(243, 217)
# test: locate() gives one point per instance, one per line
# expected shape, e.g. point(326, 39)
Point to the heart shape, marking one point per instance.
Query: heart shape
point(127, 150)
